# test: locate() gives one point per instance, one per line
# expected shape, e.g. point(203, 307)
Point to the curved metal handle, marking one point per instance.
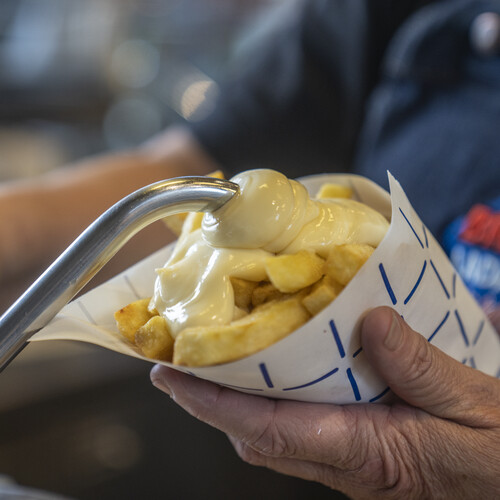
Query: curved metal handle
point(81, 261)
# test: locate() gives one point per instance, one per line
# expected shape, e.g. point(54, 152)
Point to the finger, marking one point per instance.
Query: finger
point(274, 428)
point(310, 471)
point(494, 317)
point(493, 312)
point(204, 400)
point(424, 376)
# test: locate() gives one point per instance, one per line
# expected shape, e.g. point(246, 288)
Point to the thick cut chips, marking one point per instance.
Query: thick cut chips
point(154, 339)
point(243, 291)
point(291, 273)
point(131, 317)
point(201, 346)
point(329, 190)
point(265, 292)
point(298, 286)
point(344, 261)
point(322, 293)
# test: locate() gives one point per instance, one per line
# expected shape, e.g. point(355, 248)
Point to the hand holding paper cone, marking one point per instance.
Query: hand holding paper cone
point(440, 441)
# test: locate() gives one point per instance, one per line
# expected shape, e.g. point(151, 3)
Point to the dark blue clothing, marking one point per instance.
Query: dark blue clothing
point(370, 86)
point(434, 118)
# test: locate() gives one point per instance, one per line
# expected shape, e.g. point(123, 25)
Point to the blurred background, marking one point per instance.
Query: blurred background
point(80, 77)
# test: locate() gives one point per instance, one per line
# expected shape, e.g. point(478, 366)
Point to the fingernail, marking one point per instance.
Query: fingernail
point(394, 335)
point(158, 382)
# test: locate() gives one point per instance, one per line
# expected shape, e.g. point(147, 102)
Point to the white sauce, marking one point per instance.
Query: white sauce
point(270, 215)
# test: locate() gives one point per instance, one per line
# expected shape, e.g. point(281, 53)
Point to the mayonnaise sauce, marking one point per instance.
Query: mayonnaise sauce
point(270, 215)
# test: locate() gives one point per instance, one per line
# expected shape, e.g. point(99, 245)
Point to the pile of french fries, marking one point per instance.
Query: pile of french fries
point(298, 286)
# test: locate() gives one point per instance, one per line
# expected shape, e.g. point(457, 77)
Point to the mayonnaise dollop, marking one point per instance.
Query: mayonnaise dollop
point(270, 215)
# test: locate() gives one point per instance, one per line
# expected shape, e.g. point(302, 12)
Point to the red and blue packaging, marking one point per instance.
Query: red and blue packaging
point(473, 245)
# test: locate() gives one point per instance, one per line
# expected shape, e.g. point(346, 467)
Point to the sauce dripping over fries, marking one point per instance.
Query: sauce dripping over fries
point(271, 215)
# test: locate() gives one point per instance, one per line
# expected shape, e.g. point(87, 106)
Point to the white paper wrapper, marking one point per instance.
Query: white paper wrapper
point(323, 360)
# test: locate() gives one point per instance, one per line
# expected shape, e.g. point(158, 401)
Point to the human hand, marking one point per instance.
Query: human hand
point(441, 439)
point(493, 312)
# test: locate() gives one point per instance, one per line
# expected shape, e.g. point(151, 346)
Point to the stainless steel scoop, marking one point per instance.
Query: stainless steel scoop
point(81, 261)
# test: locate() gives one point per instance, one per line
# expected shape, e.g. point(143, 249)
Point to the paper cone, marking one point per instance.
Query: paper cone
point(323, 360)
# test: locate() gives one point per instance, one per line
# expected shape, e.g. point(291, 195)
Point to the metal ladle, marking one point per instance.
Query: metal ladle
point(84, 258)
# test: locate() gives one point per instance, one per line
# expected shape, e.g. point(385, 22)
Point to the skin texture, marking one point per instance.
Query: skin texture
point(440, 438)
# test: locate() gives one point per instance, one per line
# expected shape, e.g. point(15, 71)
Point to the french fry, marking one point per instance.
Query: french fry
point(323, 292)
point(298, 287)
point(265, 292)
point(201, 346)
point(155, 340)
point(330, 190)
point(344, 261)
point(239, 313)
point(131, 317)
point(290, 273)
point(243, 290)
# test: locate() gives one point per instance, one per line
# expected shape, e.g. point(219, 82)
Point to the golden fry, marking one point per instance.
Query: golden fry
point(323, 292)
point(155, 340)
point(243, 290)
point(331, 190)
point(300, 286)
point(344, 261)
point(203, 346)
point(131, 317)
point(265, 292)
point(290, 273)
point(239, 313)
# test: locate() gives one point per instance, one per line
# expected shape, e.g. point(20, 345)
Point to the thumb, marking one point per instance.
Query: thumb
point(422, 375)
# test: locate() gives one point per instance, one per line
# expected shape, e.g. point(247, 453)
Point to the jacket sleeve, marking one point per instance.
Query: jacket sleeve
point(295, 101)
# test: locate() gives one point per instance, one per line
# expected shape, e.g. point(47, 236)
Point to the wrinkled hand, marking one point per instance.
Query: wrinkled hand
point(440, 440)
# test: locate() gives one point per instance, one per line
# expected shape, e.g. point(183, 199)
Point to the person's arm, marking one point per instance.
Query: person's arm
point(440, 440)
point(40, 216)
